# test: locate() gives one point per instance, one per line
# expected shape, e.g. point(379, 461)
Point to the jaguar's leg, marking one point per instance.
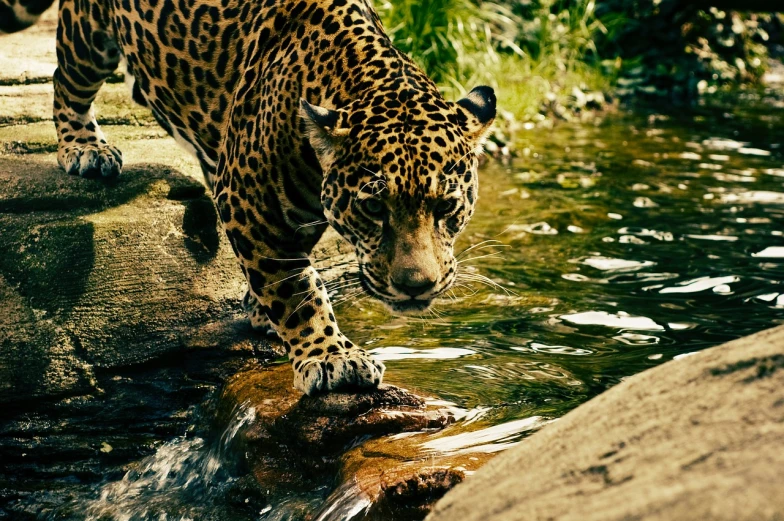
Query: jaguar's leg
point(322, 357)
point(87, 54)
point(290, 292)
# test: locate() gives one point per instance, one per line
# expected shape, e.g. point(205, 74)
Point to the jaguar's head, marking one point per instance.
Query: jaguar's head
point(400, 183)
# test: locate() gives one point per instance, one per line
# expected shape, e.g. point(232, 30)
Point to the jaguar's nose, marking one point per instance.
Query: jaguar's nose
point(413, 282)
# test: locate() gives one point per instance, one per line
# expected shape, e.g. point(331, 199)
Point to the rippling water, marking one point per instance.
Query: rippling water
point(612, 247)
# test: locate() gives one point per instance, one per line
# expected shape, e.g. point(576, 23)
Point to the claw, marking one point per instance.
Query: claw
point(92, 161)
point(345, 368)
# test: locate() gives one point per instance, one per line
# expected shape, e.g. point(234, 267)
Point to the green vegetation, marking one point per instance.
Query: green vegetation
point(539, 56)
point(557, 58)
point(673, 49)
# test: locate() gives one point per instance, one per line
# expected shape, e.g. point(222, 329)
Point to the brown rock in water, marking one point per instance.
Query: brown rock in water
point(299, 442)
point(400, 481)
point(699, 438)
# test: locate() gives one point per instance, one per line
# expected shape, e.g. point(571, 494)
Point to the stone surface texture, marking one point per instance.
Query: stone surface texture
point(372, 441)
point(697, 438)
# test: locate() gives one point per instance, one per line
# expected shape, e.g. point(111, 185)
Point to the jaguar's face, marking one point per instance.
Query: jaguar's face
point(401, 192)
point(404, 237)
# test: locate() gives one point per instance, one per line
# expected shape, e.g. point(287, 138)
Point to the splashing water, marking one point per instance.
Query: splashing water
point(345, 504)
point(175, 483)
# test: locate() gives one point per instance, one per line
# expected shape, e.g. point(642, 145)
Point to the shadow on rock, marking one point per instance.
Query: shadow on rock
point(32, 184)
point(118, 272)
point(200, 225)
point(48, 245)
point(47, 259)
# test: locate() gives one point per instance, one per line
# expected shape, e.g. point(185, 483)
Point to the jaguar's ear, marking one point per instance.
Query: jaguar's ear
point(477, 112)
point(325, 130)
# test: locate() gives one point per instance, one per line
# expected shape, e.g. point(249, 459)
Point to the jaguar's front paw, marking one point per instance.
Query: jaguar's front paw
point(347, 368)
point(91, 160)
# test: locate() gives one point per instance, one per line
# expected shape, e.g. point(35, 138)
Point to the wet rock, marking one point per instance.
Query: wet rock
point(246, 493)
point(696, 438)
point(324, 425)
point(398, 480)
point(371, 441)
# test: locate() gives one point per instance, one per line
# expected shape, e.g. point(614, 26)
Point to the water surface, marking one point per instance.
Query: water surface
point(613, 247)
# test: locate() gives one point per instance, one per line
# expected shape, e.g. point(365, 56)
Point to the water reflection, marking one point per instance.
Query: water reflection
point(610, 264)
point(536, 347)
point(701, 284)
point(405, 353)
point(620, 320)
point(771, 252)
point(491, 439)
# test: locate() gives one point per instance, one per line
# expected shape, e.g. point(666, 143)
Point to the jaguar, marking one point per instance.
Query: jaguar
point(303, 115)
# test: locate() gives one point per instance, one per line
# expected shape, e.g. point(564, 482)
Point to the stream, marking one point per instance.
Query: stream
point(608, 247)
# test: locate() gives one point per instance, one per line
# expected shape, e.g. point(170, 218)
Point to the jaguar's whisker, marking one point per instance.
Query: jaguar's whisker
point(494, 254)
point(460, 160)
point(314, 223)
point(475, 277)
point(339, 282)
point(466, 289)
point(347, 297)
point(331, 289)
point(302, 275)
point(284, 260)
point(354, 303)
point(305, 300)
point(477, 245)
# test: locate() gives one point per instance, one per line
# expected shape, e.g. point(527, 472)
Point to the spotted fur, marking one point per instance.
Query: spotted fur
point(297, 110)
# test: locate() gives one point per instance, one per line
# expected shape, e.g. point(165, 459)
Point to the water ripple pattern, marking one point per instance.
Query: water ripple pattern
point(605, 249)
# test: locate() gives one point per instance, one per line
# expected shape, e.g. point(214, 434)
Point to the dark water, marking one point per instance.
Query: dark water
point(611, 247)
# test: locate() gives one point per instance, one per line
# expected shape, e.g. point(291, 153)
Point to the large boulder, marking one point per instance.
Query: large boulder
point(696, 438)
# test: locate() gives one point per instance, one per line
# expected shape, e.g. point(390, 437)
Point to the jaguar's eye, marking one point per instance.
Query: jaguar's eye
point(445, 207)
point(373, 207)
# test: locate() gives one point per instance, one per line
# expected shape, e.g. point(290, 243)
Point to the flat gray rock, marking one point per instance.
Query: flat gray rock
point(697, 438)
point(119, 272)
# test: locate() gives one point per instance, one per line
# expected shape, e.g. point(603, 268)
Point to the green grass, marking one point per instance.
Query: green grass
point(453, 40)
point(533, 54)
point(532, 89)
